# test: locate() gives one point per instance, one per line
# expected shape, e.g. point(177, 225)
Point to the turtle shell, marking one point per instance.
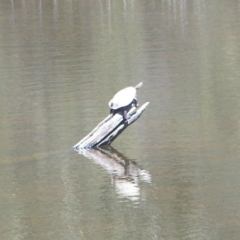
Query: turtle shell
point(123, 98)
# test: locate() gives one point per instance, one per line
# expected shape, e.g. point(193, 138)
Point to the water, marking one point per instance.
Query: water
point(173, 174)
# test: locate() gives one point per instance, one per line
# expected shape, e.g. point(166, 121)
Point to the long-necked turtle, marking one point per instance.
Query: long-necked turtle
point(122, 101)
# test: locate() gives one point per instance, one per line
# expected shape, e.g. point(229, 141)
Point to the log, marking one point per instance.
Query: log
point(109, 129)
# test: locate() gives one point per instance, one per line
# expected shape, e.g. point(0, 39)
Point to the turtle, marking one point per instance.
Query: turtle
point(123, 100)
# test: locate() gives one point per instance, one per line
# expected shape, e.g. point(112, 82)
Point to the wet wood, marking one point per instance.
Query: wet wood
point(109, 129)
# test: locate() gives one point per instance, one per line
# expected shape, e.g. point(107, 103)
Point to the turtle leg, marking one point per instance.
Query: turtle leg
point(126, 115)
point(135, 102)
point(111, 111)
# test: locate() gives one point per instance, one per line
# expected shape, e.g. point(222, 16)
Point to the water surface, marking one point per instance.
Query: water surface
point(174, 174)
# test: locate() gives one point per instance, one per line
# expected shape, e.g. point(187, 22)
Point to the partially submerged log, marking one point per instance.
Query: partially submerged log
point(109, 129)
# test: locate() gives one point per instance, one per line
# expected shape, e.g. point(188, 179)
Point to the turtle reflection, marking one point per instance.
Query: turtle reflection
point(125, 174)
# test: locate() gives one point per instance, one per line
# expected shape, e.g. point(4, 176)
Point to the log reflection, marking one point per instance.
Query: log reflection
point(125, 174)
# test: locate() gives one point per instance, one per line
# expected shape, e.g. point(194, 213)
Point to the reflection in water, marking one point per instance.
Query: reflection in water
point(12, 6)
point(125, 174)
point(55, 10)
point(60, 59)
point(40, 12)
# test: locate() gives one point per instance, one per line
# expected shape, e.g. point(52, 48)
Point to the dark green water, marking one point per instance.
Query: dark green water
point(174, 174)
